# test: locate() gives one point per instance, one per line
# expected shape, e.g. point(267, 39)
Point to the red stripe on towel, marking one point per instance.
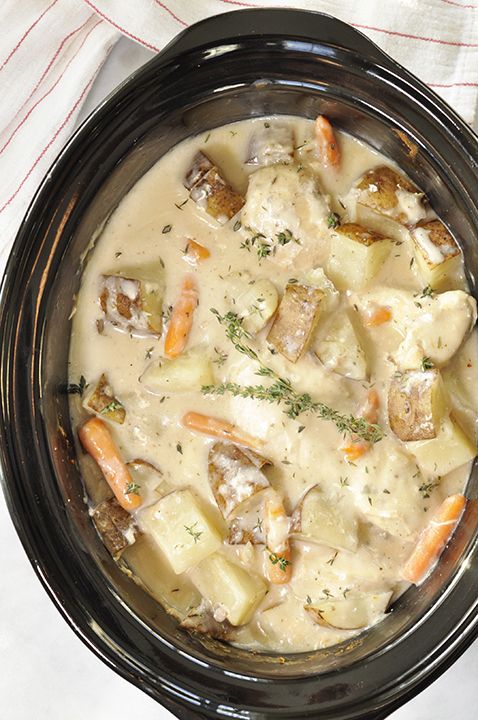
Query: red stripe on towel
point(27, 32)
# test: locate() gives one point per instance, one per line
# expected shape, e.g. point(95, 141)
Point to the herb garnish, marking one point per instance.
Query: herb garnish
point(264, 248)
point(149, 353)
point(166, 229)
point(281, 389)
point(427, 291)
point(77, 388)
point(237, 226)
point(111, 407)
point(426, 489)
point(333, 220)
point(179, 448)
point(132, 488)
point(195, 534)
point(221, 357)
point(427, 363)
point(279, 560)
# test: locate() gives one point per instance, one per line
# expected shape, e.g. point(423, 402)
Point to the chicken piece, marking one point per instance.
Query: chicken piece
point(234, 476)
point(441, 324)
point(436, 252)
point(356, 255)
point(416, 404)
point(271, 145)
point(285, 206)
point(296, 320)
point(103, 401)
point(115, 525)
point(132, 300)
point(210, 191)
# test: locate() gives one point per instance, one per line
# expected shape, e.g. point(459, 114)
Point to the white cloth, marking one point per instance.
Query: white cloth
point(52, 50)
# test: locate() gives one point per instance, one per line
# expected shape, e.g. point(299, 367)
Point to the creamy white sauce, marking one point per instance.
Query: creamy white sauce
point(381, 491)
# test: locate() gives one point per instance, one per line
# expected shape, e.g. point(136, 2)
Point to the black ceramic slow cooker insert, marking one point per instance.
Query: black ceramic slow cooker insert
point(227, 68)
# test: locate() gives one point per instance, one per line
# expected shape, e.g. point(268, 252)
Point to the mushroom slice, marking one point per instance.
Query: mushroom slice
point(103, 401)
point(350, 613)
point(132, 300)
point(115, 525)
point(296, 319)
point(234, 476)
point(436, 252)
point(416, 404)
point(356, 255)
point(318, 519)
point(271, 145)
point(210, 191)
point(201, 620)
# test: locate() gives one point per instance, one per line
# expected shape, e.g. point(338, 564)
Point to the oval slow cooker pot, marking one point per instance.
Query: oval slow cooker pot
point(226, 68)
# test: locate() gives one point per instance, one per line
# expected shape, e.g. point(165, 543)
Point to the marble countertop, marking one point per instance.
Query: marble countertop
point(46, 671)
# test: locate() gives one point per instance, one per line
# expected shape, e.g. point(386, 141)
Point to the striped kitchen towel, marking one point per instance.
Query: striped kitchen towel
point(52, 50)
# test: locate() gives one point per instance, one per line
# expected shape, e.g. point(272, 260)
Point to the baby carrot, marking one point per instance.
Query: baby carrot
point(327, 147)
point(181, 318)
point(369, 411)
point(433, 539)
point(97, 441)
point(278, 554)
point(219, 428)
point(378, 316)
point(196, 252)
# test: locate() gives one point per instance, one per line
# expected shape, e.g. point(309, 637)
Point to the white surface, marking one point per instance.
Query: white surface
point(48, 674)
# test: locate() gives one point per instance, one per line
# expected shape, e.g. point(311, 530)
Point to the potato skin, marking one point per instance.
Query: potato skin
point(359, 234)
point(379, 188)
point(411, 404)
point(113, 524)
point(296, 318)
point(234, 475)
point(209, 189)
point(104, 402)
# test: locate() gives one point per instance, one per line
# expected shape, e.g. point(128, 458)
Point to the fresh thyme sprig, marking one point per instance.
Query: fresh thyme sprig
point(264, 248)
point(281, 390)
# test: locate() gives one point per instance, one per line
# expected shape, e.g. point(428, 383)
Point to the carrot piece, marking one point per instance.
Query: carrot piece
point(219, 428)
point(196, 252)
point(279, 567)
point(433, 539)
point(369, 411)
point(181, 318)
point(355, 450)
point(327, 147)
point(278, 553)
point(97, 441)
point(378, 316)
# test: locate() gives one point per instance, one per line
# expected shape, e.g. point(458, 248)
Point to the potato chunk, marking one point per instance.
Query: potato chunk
point(182, 530)
point(339, 349)
point(210, 191)
point(271, 145)
point(104, 402)
point(436, 252)
point(416, 404)
point(233, 476)
point(132, 300)
point(317, 518)
point(390, 194)
point(185, 373)
point(450, 449)
point(356, 255)
point(351, 613)
point(229, 587)
point(116, 526)
point(296, 320)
